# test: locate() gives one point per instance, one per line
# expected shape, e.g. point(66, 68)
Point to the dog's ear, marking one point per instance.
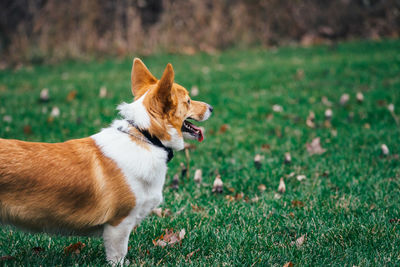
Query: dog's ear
point(140, 76)
point(164, 87)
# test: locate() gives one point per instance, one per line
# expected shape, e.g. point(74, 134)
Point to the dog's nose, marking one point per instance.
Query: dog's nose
point(210, 108)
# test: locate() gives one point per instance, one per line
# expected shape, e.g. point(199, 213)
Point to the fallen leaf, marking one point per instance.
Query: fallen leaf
point(288, 158)
point(194, 91)
point(44, 95)
point(196, 208)
point(300, 241)
point(360, 97)
point(157, 211)
point(391, 107)
point(218, 184)
point(169, 238)
point(394, 220)
point(297, 203)
point(27, 129)
point(74, 248)
point(224, 128)
point(326, 101)
point(265, 147)
point(103, 92)
point(288, 264)
point(71, 95)
point(175, 182)
point(385, 150)
point(198, 176)
point(229, 198)
point(239, 196)
point(300, 177)
point(257, 161)
point(328, 114)
point(189, 255)
point(262, 187)
point(282, 186)
point(310, 121)
point(315, 147)
point(7, 118)
point(183, 170)
point(55, 112)
point(344, 99)
point(277, 108)
point(255, 199)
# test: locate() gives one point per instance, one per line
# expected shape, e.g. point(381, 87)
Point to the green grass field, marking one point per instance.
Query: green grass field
point(348, 206)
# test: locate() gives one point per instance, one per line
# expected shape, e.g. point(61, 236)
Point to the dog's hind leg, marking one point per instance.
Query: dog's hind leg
point(116, 241)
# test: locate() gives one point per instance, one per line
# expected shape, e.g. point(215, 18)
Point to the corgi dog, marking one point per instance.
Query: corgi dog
point(107, 183)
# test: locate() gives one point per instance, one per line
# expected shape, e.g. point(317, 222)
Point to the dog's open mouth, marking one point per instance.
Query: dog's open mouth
point(193, 130)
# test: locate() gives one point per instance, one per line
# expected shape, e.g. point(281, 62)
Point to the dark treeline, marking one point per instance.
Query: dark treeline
point(37, 30)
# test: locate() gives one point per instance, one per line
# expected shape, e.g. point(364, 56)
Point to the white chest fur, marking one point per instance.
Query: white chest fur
point(143, 168)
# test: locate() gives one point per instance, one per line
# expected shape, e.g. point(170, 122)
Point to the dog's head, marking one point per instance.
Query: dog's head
point(163, 107)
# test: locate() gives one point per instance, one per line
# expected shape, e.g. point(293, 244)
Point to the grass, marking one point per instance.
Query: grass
point(345, 206)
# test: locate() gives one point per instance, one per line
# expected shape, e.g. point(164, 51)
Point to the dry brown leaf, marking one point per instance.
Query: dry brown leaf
point(277, 108)
point(196, 208)
point(189, 255)
point(27, 129)
point(74, 248)
point(103, 92)
point(71, 95)
point(175, 182)
point(288, 158)
point(315, 147)
point(344, 99)
point(218, 185)
point(297, 203)
point(288, 264)
point(326, 101)
point(262, 187)
point(224, 128)
point(169, 238)
point(299, 241)
point(157, 212)
point(44, 95)
point(311, 120)
point(385, 150)
point(282, 186)
point(257, 161)
point(198, 176)
point(360, 97)
point(265, 147)
point(301, 177)
point(194, 91)
point(328, 114)
point(55, 112)
point(229, 198)
point(255, 199)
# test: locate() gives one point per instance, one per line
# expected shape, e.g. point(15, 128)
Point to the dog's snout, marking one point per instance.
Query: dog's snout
point(210, 108)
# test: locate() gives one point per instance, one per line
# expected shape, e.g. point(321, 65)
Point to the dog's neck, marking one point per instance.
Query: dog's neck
point(148, 138)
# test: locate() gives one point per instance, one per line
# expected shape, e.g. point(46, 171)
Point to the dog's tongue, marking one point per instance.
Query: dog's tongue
point(200, 136)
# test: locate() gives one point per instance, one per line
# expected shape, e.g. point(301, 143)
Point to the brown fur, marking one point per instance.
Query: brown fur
point(65, 185)
point(167, 102)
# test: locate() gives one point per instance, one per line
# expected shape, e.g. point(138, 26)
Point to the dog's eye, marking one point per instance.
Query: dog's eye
point(188, 101)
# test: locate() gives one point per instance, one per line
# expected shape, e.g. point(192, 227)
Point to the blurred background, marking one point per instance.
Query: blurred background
point(50, 30)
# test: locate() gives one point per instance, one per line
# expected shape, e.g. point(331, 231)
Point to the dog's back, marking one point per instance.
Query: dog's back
point(59, 187)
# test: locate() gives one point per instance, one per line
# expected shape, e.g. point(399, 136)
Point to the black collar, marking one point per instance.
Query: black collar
point(151, 139)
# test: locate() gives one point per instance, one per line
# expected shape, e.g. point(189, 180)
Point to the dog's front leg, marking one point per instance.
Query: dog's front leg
point(116, 241)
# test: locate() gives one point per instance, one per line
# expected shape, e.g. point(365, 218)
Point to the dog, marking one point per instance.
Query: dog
point(107, 183)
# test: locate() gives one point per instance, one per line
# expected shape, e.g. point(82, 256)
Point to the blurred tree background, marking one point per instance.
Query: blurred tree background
point(50, 30)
